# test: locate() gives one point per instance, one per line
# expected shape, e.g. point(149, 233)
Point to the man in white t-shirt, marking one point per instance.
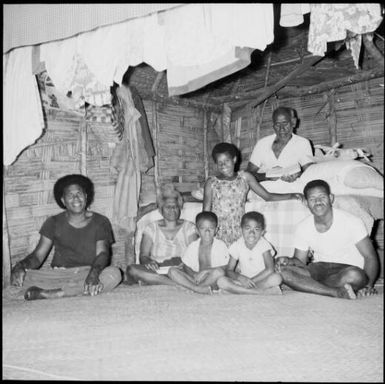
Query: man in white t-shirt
point(281, 150)
point(344, 260)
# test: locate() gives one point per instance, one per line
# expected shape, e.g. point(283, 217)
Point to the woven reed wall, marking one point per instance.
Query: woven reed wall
point(359, 111)
point(28, 183)
point(179, 146)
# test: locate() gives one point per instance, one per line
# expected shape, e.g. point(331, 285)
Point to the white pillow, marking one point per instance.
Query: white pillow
point(346, 177)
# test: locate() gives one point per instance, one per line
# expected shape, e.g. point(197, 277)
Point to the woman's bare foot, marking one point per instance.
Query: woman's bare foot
point(272, 291)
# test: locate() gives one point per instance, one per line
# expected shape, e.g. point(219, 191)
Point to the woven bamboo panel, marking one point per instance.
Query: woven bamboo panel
point(180, 145)
point(29, 181)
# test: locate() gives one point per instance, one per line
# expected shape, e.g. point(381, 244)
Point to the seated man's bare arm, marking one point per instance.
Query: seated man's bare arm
point(32, 261)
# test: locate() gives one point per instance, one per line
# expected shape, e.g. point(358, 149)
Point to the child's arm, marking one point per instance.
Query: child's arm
point(230, 272)
point(269, 267)
point(207, 200)
point(266, 195)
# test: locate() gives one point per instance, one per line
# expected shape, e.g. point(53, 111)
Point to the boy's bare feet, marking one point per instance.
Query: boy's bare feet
point(346, 292)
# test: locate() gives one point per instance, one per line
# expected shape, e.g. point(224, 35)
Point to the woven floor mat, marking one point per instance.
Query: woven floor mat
point(166, 333)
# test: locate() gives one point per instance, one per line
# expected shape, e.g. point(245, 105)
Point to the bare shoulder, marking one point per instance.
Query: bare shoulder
point(246, 175)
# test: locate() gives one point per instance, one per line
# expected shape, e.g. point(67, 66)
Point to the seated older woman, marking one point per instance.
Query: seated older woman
point(163, 241)
point(82, 240)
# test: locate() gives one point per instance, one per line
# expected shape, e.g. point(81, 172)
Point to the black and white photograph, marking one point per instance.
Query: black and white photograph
point(193, 192)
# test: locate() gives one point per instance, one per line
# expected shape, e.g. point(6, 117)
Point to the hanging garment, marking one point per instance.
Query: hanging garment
point(88, 64)
point(145, 139)
point(330, 22)
point(292, 14)
point(23, 121)
point(127, 160)
point(205, 42)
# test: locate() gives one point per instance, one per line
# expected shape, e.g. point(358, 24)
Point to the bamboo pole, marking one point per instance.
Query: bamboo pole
point(155, 133)
point(158, 79)
point(83, 147)
point(308, 90)
point(6, 247)
point(261, 111)
point(332, 118)
point(328, 85)
point(297, 71)
point(205, 144)
point(238, 127)
point(226, 120)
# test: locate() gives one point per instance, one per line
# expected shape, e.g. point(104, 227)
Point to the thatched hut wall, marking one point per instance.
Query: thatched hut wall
point(358, 112)
point(179, 144)
point(28, 183)
point(359, 123)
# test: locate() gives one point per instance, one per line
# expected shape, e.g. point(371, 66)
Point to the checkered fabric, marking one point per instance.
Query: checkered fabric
point(281, 218)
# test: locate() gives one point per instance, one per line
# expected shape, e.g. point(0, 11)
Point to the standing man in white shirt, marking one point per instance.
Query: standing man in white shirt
point(344, 263)
point(283, 149)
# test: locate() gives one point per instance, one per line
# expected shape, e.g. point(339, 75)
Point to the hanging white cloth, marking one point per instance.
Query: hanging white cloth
point(23, 120)
point(196, 43)
point(292, 14)
point(205, 42)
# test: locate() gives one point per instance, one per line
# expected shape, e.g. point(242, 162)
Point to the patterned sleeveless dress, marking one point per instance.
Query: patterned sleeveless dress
point(228, 203)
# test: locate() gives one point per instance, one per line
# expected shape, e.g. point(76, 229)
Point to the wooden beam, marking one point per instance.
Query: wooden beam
point(83, 147)
point(332, 118)
point(262, 110)
point(205, 143)
point(175, 100)
point(226, 120)
point(297, 71)
point(158, 79)
point(6, 248)
point(314, 89)
point(328, 85)
point(155, 136)
point(290, 61)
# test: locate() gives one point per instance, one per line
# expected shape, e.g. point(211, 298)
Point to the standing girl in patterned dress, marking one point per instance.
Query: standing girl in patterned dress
point(225, 194)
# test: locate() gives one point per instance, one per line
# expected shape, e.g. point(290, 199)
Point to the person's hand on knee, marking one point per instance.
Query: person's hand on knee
point(200, 276)
point(152, 266)
point(17, 275)
point(92, 285)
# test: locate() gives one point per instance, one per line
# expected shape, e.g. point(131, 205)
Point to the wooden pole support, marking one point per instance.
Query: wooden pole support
point(6, 247)
point(83, 147)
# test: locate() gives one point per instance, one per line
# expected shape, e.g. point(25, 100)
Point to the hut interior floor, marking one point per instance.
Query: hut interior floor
point(163, 333)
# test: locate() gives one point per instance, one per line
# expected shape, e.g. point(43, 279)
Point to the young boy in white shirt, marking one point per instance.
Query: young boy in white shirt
point(204, 260)
point(254, 256)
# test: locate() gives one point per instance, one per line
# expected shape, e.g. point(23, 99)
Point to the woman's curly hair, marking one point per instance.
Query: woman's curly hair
point(76, 179)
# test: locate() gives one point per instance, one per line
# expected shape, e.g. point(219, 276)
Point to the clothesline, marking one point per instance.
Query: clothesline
point(196, 43)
